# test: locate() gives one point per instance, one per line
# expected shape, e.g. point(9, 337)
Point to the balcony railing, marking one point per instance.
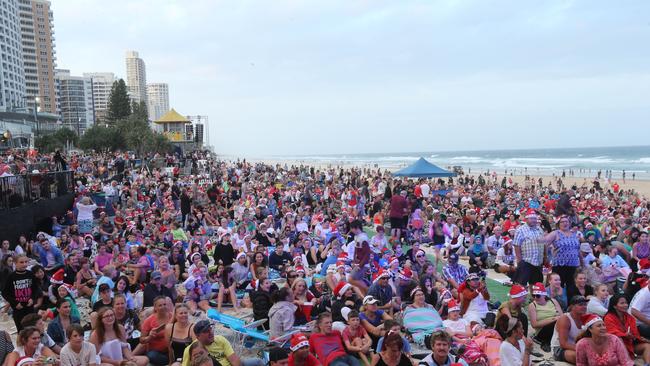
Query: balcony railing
point(24, 189)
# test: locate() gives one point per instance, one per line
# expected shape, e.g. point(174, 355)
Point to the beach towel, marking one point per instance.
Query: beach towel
point(420, 322)
point(489, 341)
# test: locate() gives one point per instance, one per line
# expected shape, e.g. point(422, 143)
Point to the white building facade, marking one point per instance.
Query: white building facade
point(136, 77)
point(158, 100)
point(12, 74)
point(102, 83)
point(75, 101)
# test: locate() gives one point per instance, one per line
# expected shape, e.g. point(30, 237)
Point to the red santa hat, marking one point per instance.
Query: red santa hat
point(539, 289)
point(340, 264)
point(381, 273)
point(644, 264)
point(57, 277)
point(24, 361)
point(517, 291)
point(298, 341)
point(405, 274)
point(341, 288)
point(453, 305)
point(590, 319)
point(300, 269)
point(507, 239)
point(393, 260)
point(531, 213)
point(253, 284)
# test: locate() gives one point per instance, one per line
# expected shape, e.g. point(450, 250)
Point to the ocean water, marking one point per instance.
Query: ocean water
point(581, 161)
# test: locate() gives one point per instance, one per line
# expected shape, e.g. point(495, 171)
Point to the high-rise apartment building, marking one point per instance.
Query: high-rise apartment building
point(102, 83)
point(12, 74)
point(37, 30)
point(75, 101)
point(136, 77)
point(158, 100)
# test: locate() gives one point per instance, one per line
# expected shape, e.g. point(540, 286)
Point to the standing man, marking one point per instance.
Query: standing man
point(398, 209)
point(360, 252)
point(529, 251)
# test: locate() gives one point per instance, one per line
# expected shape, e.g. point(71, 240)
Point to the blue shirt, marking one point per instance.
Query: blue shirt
point(331, 259)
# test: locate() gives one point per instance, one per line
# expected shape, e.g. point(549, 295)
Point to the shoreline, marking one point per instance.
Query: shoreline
point(639, 184)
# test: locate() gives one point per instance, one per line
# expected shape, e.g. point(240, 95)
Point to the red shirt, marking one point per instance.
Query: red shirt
point(397, 206)
point(616, 327)
point(327, 347)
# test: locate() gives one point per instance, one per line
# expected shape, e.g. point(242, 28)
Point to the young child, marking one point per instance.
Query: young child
point(394, 326)
point(356, 338)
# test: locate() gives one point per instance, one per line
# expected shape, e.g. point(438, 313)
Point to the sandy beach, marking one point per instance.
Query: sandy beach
point(638, 185)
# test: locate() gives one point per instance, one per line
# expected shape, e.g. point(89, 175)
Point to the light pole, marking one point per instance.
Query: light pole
point(37, 101)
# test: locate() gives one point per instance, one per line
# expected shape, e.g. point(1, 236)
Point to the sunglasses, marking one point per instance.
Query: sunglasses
point(419, 256)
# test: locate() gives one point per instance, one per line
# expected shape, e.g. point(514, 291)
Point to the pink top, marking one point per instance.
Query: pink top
point(615, 353)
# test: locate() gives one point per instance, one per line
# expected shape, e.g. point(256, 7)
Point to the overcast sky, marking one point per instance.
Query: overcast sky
point(316, 77)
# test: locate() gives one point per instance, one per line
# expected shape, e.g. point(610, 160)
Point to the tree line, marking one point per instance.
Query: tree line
point(126, 127)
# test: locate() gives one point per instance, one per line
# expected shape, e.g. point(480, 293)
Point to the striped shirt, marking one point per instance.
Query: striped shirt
point(528, 239)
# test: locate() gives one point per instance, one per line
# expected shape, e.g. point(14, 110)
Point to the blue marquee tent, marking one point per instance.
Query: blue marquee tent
point(423, 169)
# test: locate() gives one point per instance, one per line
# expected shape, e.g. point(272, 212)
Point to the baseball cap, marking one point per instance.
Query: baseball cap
point(453, 257)
point(369, 300)
point(156, 275)
point(202, 326)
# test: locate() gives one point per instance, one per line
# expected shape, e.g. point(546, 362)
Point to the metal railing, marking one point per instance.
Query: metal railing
point(23, 189)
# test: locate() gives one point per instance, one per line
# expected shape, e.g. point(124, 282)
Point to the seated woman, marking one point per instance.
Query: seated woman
point(282, 313)
point(599, 303)
point(580, 286)
point(110, 341)
point(543, 312)
point(227, 289)
point(179, 334)
point(122, 288)
point(478, 253)
point(505, 259)
point(555, 290)
point(515, 349)
point(260, 297)
point(391, 352)
point(85, 279)
point(29, 345)
point(596, 347)
point(421, 321)
point(305, 301)
point(621, 324)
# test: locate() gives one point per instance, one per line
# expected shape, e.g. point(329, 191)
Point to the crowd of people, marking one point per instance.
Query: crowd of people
point(375, 270)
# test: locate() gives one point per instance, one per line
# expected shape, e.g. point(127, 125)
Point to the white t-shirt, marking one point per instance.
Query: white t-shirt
point(425, 190)
point(85, 357)
point(511, 356)
point(456, 326)
point(641, 302)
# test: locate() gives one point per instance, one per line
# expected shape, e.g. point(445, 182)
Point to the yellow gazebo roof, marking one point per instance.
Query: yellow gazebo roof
point(172, 117)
